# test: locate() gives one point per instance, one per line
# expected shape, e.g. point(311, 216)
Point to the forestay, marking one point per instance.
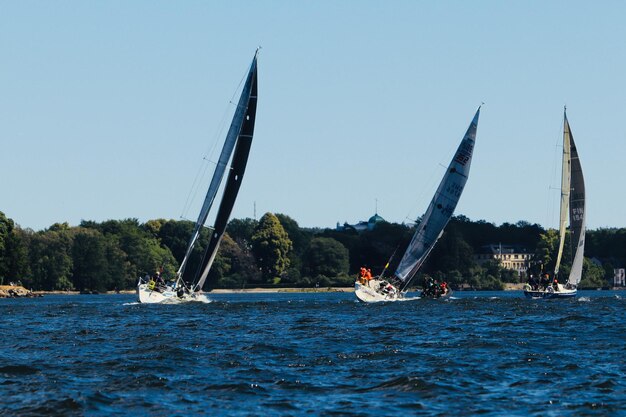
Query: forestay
point(440, 209)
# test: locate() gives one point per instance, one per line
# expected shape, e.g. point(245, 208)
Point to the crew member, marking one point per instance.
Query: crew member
point(362, 274)
point(368, 276)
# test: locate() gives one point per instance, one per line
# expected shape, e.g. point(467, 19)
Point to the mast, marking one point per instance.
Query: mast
point(565, 191)
point(244, 127)
point(577, 213)
point(440, 209)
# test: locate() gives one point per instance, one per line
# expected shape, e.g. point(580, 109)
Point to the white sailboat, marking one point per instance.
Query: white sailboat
point(188, 284)
point(572, 206)
point(429, 230)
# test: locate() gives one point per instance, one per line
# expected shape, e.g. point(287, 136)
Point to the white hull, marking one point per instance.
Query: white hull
point(550, 293)
point(376, 291)
point(166, 296)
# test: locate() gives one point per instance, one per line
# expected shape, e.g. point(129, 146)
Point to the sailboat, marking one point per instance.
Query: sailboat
point(572, 206)
point(428, 231)
point(188, 284)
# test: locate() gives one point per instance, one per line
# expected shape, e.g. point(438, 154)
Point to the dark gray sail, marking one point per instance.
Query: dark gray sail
point(237, 169)
point(440, 209)
point(238, 140)
point(576, 211)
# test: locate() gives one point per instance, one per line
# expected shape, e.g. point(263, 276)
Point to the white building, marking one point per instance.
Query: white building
point(362, 225)
point(619, 277)
point(511, 257)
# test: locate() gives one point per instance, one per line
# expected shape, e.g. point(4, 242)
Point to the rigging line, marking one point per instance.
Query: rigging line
point(195, 187)
point(211, 162)
point(382, 274)
point(232, 102)
point(430, 186)
point(427, 188)
point(556, 164)
point(202, 168)
point(210, 150)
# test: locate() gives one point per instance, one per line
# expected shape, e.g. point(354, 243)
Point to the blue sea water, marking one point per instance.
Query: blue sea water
point(479, 353)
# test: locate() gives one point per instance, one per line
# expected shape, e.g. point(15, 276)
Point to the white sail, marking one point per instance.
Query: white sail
point(572, 205)
point(440, 209)
point(565, 193)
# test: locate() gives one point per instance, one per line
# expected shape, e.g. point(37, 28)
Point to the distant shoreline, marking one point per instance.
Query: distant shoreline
point(216, 291)
point(3, 289)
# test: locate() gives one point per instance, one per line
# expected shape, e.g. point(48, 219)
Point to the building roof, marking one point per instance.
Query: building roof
point(362, 225)
point(496, 248)
point(375, 219)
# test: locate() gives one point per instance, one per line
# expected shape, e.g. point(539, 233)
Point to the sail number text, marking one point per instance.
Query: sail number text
point(454, 190)
point(464, 153)
point(577, 214)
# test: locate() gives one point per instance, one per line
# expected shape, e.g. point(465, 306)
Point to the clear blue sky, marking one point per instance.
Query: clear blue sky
point(107, 108)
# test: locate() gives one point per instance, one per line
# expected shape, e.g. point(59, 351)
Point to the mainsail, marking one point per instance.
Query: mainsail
point(440, 209)
point(565, 193)
point(574, 205)
point(239, 139)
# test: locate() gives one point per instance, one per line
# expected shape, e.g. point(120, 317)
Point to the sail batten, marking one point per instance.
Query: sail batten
point(440, 209)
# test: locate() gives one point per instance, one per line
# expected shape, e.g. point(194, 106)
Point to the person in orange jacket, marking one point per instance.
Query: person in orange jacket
point(362, 275)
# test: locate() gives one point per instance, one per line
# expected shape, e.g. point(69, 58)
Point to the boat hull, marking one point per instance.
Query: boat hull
point(374, 292)
point(145, 295)
point(550, 294)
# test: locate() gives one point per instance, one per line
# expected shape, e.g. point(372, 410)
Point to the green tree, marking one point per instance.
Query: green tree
point(143, 251)
point(452, 252)
point(241, 231)
point(223, 263)
point(118, 267)
point(89, 260)
point(175, 235)
point(153, 227)
point(373, 249)
point(545, 253)
point(486, 277)
point(16, 255)
point(300, 240)
point(271, 246)
point(234, 266)
point(326, 256)
point(6, 229)
point(593, 276)
point(50, 260)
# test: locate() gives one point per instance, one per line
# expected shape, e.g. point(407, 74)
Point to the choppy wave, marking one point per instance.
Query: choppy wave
point(312, 354)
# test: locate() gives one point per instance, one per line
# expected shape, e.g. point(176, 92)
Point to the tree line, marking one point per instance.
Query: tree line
point(276, 251)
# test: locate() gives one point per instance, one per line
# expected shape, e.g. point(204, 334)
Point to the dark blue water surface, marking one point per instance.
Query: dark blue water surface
point(480, 353)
